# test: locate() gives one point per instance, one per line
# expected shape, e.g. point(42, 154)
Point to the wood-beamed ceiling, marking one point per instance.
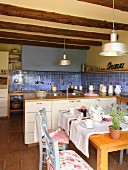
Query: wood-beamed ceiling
point(52, 36)
point(119, 4)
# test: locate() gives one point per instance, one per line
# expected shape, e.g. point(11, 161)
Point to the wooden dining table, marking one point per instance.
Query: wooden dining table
point(104, 144)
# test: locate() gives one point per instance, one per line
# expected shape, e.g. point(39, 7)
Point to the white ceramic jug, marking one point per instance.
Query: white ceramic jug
point(104, 89)
point(110, 89)
point(117, 89)
point(101, 85)
point(91, 87)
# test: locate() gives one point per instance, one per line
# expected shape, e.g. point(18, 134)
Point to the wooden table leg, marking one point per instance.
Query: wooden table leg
point(102, 159)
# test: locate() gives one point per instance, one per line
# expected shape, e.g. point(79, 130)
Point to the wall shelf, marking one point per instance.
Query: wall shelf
point(107, 70)
point(16, 110)
point(15, 61)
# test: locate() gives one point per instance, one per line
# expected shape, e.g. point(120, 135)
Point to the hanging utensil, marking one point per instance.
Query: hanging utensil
point(16, 80)
point(62, 77)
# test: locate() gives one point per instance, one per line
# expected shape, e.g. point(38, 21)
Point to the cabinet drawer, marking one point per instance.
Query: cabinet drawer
point(3, 111)
point(36, 106)
point(3, 92)
point(29, 133)
point(30, 127)
point(30, 117)
point(29, 138)
point(3, 102)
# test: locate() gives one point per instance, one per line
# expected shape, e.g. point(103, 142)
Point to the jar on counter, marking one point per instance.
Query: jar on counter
point(83, 67)
point(54, 88)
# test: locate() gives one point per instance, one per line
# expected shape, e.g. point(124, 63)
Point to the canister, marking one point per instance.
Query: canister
point(82, 67)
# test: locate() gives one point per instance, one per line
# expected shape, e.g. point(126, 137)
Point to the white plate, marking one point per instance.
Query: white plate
point(83, 125)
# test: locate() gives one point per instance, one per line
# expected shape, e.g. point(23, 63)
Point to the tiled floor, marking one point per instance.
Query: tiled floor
point(14, 155)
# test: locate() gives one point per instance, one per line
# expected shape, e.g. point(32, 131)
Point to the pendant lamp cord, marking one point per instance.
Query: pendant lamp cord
point(113, 15)
point(64, 45)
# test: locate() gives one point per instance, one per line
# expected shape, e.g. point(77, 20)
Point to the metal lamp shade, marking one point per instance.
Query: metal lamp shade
point(64, 61)
point(114, 49)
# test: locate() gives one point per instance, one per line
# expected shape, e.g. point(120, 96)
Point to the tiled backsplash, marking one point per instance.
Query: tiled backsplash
point(106, 78)
point(32, 81)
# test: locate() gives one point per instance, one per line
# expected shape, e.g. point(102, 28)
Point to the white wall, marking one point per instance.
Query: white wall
point(9, 47)
point(94, 59)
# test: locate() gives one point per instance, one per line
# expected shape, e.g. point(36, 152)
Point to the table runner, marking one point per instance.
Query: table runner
point(64, 119)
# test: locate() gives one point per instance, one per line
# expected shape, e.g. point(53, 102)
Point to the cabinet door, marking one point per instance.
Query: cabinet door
point(84, 102)
point(31, 108)
point(60, 105)
point(3, 111)
point(4, 56)
point(29, 135)
point(105, 103)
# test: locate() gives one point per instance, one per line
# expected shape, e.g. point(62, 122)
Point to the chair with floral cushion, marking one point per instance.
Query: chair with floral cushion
point(62, 160)
point(58, 135)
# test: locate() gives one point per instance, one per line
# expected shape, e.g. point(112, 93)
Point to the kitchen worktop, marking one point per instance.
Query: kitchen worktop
point(28, 95)
point(70, 97)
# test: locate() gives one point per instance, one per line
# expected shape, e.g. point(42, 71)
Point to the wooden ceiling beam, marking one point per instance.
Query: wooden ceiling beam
point(43, 44)
point(37, 38)
point(55, 31)
point(119, 4)
point(10, 10)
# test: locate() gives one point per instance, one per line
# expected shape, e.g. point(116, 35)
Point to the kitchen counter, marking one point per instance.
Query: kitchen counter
point(122, 98)
point(70, 97)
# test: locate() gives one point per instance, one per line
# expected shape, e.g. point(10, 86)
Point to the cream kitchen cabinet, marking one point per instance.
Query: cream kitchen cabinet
point(3, 107)
point(31, 108)
point(105, 103)
point(84, 102)
point(65, 105)
point(60, 105)
point(4, 57)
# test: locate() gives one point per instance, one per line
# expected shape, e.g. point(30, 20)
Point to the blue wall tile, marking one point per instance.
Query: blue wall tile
point(28, 80)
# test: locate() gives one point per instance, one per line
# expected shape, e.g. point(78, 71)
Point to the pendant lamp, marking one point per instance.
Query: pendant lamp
point(64, 60)
point(114, 48)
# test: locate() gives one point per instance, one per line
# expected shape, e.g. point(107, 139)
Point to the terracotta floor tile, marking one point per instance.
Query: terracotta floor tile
point(3, 148)
point(29, 154)
point(2, 167)
point(13, 157)
point(4, 139)
point(13, 166)
point(13, 149)
point(29, 164)
point(2, 159)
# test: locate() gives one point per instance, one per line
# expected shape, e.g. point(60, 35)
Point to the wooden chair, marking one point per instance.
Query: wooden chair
point(62, 160)
point(60, 136)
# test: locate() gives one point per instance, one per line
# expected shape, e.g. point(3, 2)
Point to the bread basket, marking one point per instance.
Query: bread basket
point(16, 103)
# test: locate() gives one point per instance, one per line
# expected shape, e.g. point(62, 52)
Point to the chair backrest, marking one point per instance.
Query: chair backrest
point(52, 148)
point(41, 115)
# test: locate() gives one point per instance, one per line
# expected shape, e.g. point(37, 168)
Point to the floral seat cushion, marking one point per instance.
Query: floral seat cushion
point(58, 135)
point(70, 160)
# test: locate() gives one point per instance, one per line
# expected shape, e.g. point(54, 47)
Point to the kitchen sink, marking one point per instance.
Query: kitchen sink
point(64, 94)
